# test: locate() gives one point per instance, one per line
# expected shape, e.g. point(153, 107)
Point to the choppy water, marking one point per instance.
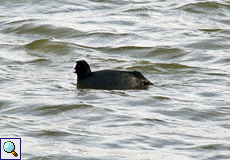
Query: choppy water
point(183, 47)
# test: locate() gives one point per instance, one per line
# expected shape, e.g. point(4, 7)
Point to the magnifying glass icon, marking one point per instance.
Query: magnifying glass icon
point(9, 147)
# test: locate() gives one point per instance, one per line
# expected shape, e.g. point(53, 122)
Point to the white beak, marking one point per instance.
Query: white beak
point(73, 71)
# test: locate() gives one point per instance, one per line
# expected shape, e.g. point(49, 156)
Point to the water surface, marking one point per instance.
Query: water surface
point(181, 46)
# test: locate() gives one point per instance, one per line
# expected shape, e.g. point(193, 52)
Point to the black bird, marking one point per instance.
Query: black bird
point(108, 79)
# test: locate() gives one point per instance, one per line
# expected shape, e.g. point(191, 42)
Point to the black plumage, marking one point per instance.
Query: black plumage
point(108, 79)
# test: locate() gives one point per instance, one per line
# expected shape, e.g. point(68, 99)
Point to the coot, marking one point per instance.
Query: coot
point(108, 79)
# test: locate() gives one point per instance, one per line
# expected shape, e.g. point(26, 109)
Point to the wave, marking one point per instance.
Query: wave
point(36, 28)
point(51, 46)
point(59, 109)
point(204, 7)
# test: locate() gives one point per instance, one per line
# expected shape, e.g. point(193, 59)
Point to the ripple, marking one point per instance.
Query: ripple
point(209, 45)
point(155, 121)
point(174, 67)
point(57, 109)
point(209, 94)
point(49, 133)
point(204, 7)
point(51, 46)
point(195, 115)
point(31, 27)
point(158, 53)
point(212, 147)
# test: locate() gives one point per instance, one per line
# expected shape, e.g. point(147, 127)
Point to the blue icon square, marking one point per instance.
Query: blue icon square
point(10, 148)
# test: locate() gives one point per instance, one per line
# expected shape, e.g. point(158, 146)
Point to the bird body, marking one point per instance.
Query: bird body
point(108, 79)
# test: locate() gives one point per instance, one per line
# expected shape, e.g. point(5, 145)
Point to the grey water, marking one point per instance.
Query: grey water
point(182, 46)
